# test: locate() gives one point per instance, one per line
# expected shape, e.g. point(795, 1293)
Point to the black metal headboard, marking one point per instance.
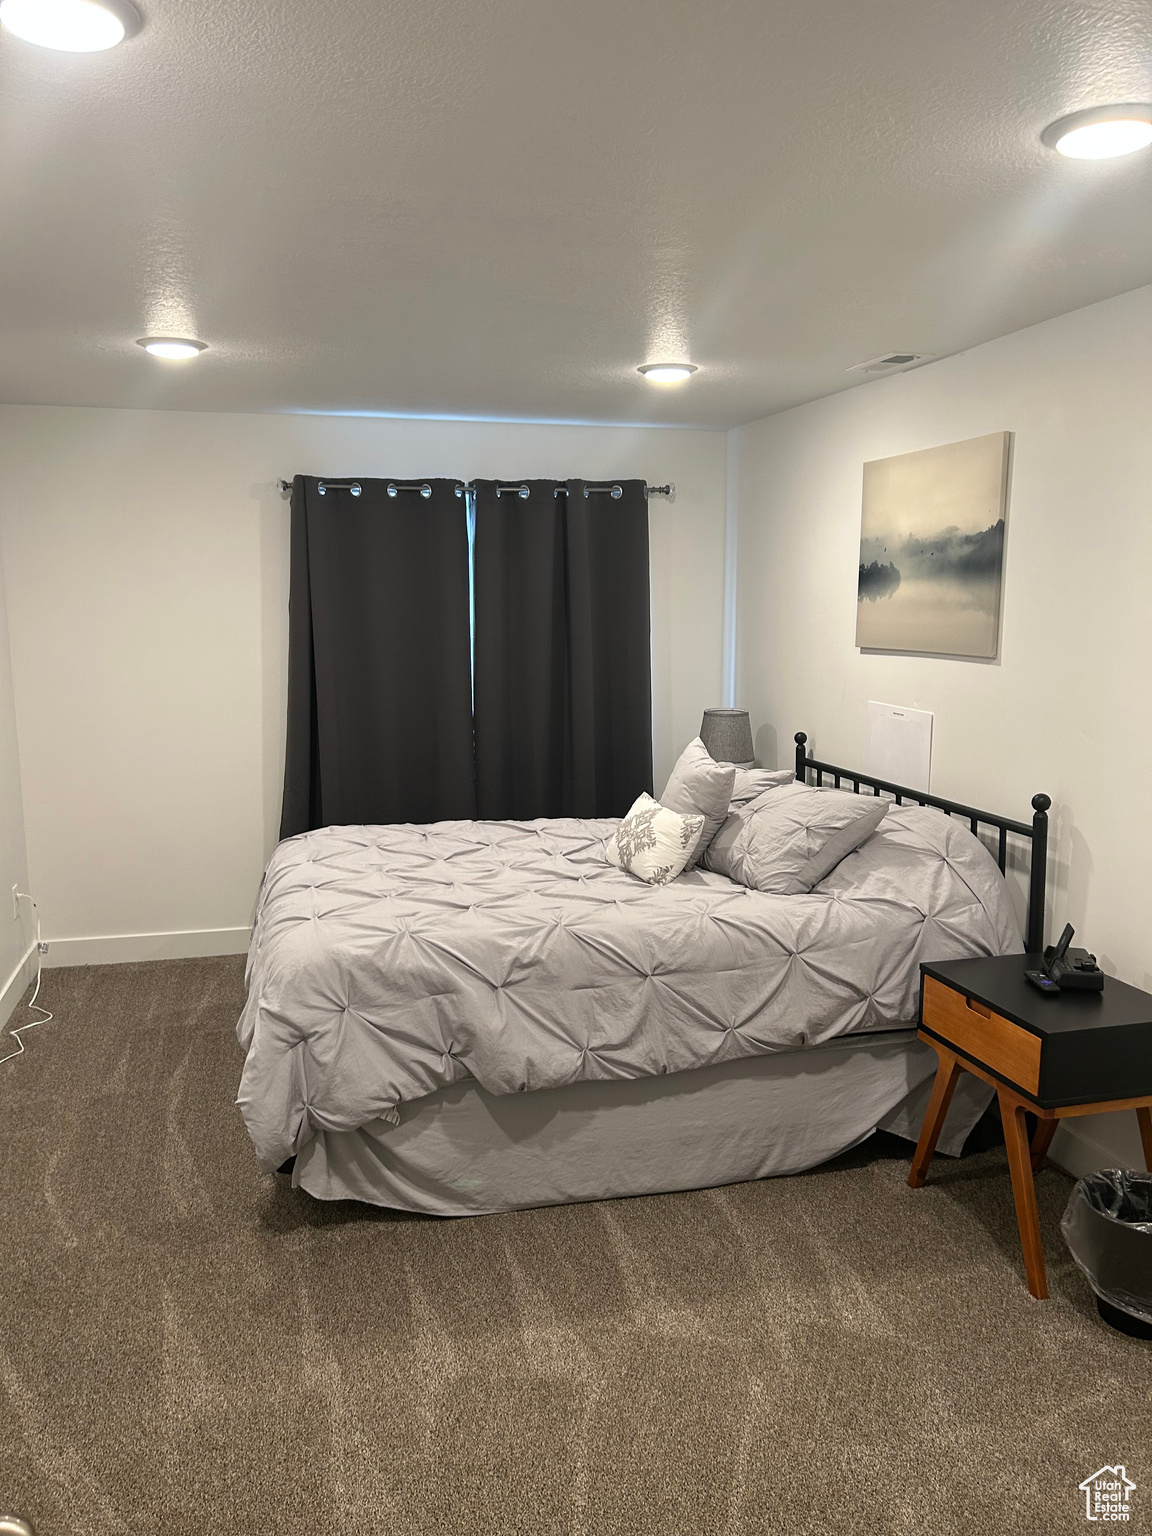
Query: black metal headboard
point(1037, 833)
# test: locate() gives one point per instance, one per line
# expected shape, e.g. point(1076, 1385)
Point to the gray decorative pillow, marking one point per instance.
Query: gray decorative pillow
point(700, 786)
point(652, 843)
point(749, 785)
point(788, 839)
point(751, 782)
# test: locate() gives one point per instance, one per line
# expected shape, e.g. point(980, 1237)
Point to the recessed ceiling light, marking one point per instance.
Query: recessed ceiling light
point(1101, 133)
point(667, 373)
point(173, 347)
point(77, 26)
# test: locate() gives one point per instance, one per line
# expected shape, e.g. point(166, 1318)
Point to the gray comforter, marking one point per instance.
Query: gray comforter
point(390, 961)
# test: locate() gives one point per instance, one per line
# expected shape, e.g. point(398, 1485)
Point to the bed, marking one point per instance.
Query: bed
point(479, 1016)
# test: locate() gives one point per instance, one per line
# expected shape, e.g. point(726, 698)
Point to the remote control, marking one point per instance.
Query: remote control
point(1045, 983)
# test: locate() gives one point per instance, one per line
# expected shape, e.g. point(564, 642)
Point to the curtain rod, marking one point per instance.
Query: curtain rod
point(423, 488)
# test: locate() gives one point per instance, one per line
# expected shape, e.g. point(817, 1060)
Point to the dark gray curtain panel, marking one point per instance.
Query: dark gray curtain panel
point(563, 676)
point(379, 675)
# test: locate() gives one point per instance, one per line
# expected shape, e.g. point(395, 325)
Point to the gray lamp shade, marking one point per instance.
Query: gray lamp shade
point(728, 735)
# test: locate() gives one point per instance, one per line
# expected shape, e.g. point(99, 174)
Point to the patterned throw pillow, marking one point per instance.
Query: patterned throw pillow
point(652, 843)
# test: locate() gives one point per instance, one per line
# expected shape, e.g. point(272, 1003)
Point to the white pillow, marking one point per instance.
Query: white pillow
point(750, 783)
point(788, 839)
point(652, 843)
point(699, 786)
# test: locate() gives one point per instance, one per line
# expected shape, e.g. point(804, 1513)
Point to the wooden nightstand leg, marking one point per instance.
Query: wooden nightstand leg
point(947, 1075)
point(1020, 1162)
point(1042, 1140)
point(1144, 1116)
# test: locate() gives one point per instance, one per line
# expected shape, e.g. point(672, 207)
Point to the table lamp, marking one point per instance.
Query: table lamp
point(727, 734)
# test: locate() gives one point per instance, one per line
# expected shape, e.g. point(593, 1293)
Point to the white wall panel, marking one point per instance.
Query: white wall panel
point(147, 576)
point(15, 934)
point(1066, 706)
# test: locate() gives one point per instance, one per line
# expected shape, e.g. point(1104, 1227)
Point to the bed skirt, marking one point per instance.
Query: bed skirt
point(464, 1152)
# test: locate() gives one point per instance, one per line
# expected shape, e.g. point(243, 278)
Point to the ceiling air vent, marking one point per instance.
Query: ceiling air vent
point(888, 363)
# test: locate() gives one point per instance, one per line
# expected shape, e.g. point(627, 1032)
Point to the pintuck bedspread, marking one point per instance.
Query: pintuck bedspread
point(390, 961)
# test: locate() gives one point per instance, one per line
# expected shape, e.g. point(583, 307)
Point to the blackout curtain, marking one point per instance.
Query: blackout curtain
point(379, 674)
point(562, 667)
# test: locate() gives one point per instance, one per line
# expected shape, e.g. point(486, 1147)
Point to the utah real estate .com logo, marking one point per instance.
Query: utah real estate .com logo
point(1107, 1494)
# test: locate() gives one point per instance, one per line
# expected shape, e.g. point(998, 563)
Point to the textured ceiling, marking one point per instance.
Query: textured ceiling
point(499, 208)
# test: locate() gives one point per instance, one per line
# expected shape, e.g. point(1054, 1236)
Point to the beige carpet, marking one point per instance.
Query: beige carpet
point(188, 1346)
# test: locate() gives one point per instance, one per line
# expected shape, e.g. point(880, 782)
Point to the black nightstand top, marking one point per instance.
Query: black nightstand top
point(999, 982)
point(1071, 1054)
point(1093, 1046)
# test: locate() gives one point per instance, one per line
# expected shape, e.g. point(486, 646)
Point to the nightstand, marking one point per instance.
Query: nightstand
point(1077, 1053)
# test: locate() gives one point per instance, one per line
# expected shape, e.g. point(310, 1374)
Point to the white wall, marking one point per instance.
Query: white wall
point(147, 566)
point(15, 935)
point(1070, 685)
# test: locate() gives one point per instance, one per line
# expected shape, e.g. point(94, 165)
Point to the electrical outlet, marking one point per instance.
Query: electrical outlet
point(15, 903)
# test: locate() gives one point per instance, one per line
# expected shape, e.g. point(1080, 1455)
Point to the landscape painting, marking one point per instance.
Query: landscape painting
point(932, 549)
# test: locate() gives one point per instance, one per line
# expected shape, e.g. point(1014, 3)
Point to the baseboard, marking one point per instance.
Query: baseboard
point(16, 985)
point(1080, 1147)
point(116, 948)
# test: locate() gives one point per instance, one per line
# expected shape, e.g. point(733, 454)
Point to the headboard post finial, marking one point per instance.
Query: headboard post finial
point(1038, 873)
point(801, 738)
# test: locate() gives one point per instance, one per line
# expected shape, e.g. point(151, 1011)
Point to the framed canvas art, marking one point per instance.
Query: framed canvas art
point(932, 549)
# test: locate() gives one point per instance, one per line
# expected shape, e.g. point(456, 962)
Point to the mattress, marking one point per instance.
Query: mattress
point(388, 963)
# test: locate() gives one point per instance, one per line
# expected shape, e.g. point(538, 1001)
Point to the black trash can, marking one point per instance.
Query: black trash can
point(1108, 1228)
